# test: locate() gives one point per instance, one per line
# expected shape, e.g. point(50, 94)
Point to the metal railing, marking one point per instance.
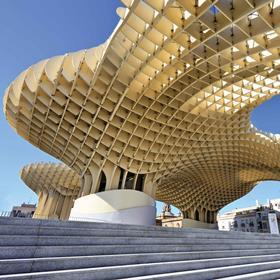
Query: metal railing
point(5, 213)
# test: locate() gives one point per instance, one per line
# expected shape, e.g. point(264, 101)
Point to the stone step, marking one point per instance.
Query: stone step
point(56, 231)
point(62, 263)
point(14, 266)
point(102, 226)
point(273, 274)
point(19, 240)
point(269, 271)
point(77, 224)
point(194, 270)
point(45, 249)
point(13, 252)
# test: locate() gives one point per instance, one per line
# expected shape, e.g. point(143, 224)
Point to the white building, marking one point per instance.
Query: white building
point(275, 204)
point(259, 218)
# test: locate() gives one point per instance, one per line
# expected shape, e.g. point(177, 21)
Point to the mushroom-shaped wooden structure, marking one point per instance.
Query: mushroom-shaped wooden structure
point(56, 185)
point(164, 105)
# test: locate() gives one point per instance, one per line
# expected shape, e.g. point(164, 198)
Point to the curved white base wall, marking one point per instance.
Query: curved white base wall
point(197, 224)
point(116, 206)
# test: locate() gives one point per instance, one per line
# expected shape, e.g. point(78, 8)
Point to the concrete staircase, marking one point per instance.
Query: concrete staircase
point(45, 249)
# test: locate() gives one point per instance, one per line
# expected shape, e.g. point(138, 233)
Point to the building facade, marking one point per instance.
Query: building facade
point(168, 219)
point(176, 222)
point(250, 219)
point(25, 210)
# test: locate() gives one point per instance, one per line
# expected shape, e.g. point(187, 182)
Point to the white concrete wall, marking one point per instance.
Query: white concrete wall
point(197, 224)
point(115, 206)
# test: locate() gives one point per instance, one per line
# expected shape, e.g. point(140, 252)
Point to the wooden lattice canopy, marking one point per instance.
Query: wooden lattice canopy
point(167, 96)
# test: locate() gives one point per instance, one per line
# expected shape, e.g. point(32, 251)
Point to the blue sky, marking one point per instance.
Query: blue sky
point(32, 30)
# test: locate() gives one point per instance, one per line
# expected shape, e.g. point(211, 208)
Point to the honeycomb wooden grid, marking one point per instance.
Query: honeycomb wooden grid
point(168, 95)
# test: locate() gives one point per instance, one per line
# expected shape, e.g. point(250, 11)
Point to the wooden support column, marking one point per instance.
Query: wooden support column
point(150, 187)
point(48, 204)
point(67, 205)
point(87, 184)
point(41, 203)
point(59, 205)
point(53, 206)
point(112, 173)
point(95, 172)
